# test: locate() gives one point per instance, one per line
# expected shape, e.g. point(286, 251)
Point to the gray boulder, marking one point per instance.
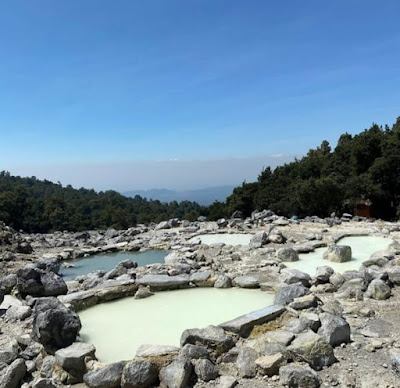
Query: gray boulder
point(12, 375)
point(138, 374)
point(54, 326)
point(51, 265)
point(291, 276)
point(394, 275)
point(338, 253)
point(163, 225)
point(177, 374)
point(212, 337)
point(164, 282)
point(334, 329)
point(323, 274)
point(7, 356)
point(223, 281)
point(7, 283)
point(258, 240)
point(107, 377)
point(246, 281)
point(194, 352)
point(298, 376)
point(16, 313)
point(287, 294)
point(313, 349)
point(246, 362)
point(206, 370)
point(35, 282)
point(378, 289)
point(287, 254)
point(72, 358)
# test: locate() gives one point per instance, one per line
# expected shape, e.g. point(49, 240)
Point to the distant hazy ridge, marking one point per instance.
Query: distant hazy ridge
point(203, 197)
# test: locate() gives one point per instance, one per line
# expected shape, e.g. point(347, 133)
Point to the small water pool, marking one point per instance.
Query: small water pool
point(117, 329)
point(362, 248)
point(226, 238)
point(108, 261)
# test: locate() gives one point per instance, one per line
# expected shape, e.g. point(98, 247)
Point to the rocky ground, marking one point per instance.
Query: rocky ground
point(329, 330)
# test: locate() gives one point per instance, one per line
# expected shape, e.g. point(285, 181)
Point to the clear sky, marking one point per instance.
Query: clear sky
point(116, 93)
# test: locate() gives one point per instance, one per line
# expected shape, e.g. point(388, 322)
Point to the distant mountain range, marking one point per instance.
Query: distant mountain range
point(203, 197)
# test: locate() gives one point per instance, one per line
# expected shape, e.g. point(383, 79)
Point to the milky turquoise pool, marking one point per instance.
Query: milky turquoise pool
point(108, 261)
point(117, 329)
point(362, 248)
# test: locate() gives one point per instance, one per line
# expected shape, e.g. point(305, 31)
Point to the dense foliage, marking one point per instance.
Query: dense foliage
point(366, 165)
point(41, 206)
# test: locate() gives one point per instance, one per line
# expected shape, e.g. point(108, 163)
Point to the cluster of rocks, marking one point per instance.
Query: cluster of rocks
point(288, 343)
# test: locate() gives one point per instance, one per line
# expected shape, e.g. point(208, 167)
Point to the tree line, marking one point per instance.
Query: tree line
point(363, 166)
point(366, 165)
point(41, 206)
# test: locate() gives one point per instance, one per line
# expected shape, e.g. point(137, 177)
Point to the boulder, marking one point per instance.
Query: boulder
point(223, 281)
point(212, 337)
point(304, 302)
point(143, 292)
point(298, 376)
point(286, 294)
point(72, 358)
point(163, 225)
point(245, 323)
point(18, 313)
point(338, 253)
point(53, 284)
point(164, 282)
point(334, 329)
point(378, 289)
point(139, 374)
point(269, 365)
point(246, 362)
point(7, 356)
point(313, 349)
point(291, 276)
point(202, 279)
point(258, 240)
point(246, 281)
point(323, 274)
point(194, 352)
point(54, 326)
point(50, 265)
point(12, 375)
point(226, 382)
point(177, 374)
point(35, 282)
point(7, 283)
point(206, 370)
point(106, 377)
point(287, 254)
point(306, 321)
point(394, 275)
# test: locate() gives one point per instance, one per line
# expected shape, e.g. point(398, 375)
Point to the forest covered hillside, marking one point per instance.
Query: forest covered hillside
point(365, 166)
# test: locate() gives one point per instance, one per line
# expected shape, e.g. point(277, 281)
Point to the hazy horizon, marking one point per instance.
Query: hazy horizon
point(148, 175)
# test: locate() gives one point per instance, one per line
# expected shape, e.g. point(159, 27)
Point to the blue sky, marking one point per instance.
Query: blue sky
point(127, 84)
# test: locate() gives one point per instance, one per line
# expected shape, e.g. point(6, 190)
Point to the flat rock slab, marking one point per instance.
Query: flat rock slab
point(244, 324)
point(156, 350)
point(84, 299)
point(164, 282)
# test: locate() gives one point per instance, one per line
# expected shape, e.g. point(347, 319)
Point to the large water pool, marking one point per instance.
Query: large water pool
point(362, 248)
point(108, 261)
point(117, 329)
point(226, 238)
